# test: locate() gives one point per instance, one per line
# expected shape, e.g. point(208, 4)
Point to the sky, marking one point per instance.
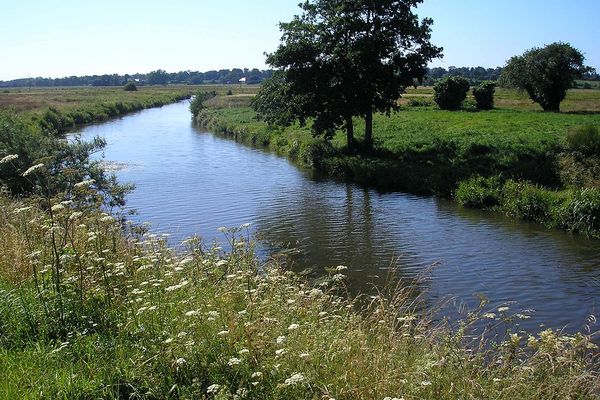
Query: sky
point(57, 38)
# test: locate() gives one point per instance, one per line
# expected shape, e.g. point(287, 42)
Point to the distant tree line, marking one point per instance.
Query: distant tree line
point(158, 77)
point(475, 76)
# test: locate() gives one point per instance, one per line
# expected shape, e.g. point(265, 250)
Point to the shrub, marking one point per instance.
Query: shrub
point(130, 87)
point(484, 95)
point(479, 192)
point(584, 140)
point(450, 92)
point(197, 103)
point(529, 202)
point(582, 212)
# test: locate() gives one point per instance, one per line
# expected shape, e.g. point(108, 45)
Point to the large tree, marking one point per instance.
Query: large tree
point(345, 58)
point(545, 73)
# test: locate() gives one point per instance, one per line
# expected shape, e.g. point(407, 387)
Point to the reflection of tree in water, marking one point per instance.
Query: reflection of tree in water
point(334, 227)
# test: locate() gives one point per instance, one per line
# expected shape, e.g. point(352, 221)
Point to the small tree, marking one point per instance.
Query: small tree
point(545, 74)
point(484, 95)
point(450, 92)
point(130, 87)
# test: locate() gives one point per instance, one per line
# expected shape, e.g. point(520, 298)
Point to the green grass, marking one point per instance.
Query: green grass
point(131, 318)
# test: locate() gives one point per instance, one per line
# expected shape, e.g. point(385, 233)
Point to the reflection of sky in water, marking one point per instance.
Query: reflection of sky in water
point(190, 182)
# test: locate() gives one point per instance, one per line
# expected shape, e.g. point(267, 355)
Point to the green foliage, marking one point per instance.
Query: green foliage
point(197, 103)
point(450, 92)
point(328, 46)
point(130, 87)
point(581, 213)
point(484, 95)
point(479, 192)
point(545, 73)
point(158, 77)
point(584, 139)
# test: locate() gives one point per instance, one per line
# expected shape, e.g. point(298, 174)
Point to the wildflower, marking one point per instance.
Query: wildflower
point(9, 158)
point(303, 355)
point(515, 339)
point(246, 225)
point(280, 339)
point(257, 374)
point(84, 183)
point(489, 315)
point(57, 207)
point(181, 361)
point(503, 309)
point(32, 169)
point(393, 398)
point(191, 313)
point(426, 383)
point(214, 388)
point(295, 379)
point(222, 229)
point(293, 327)
point(213, 313)
point(76, 215)
point(234, 361)
point(223, 333)
point(340, 268)
point(315, 292)
point(243, 351)
point(167, 341)
point(338, 277)
point(280, 352)
point(220, 263)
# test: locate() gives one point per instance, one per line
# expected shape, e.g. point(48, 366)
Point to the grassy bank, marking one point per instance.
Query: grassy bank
point(88, 311)
point(424, 150)
point(60, 109)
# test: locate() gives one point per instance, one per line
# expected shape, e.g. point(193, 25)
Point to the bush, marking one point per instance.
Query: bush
point(584, 140)
point(529, 202)
point(582, 212)
point(450, 92)
point(479, 192)
point(130, 87)
point(197, 103)
point(484, 95)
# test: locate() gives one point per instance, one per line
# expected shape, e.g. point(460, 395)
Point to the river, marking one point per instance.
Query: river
point(191, 182)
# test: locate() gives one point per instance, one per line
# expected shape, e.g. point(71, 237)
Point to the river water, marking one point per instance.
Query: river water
point(191, 182)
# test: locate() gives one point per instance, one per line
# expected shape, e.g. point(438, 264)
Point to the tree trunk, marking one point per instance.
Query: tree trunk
point(369, 130)
point(350, 133)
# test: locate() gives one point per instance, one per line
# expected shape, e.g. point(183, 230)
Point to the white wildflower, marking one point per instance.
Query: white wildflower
point(32, 169)
point(280, 339)
point(223, 333)
point(243, 351)
point(9, 158)
point(57, 207)
point(426, 383)
point(489, 315)
point(340, 268)
point(167, 341)
point(84, 183)
point(295, 379)
point(220, 263)
point(191, 313)
point(181, 361)
point(257, 374)
point(280, 352)
point(214, 388)
point(234, 361)
point(293, 327)
point(503, 309)
point(222, 229)
point(304, 355)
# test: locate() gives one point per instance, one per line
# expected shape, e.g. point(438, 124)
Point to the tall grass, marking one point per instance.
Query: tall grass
point(91, 308)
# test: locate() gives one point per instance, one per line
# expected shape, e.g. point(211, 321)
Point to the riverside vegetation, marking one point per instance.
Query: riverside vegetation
point(94, 307)
point(424, 150)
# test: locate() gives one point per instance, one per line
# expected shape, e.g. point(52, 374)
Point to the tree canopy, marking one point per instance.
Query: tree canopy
point(546, 73)
point(345, 58)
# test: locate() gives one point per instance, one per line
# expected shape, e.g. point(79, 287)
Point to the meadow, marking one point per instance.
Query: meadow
point(424, 150)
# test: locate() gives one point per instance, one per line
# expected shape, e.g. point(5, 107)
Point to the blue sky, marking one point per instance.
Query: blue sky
point(58, 38)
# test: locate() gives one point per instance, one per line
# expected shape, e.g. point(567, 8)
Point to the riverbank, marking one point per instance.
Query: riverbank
point(58, 110)
point(424, 150)
point(88, 310)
